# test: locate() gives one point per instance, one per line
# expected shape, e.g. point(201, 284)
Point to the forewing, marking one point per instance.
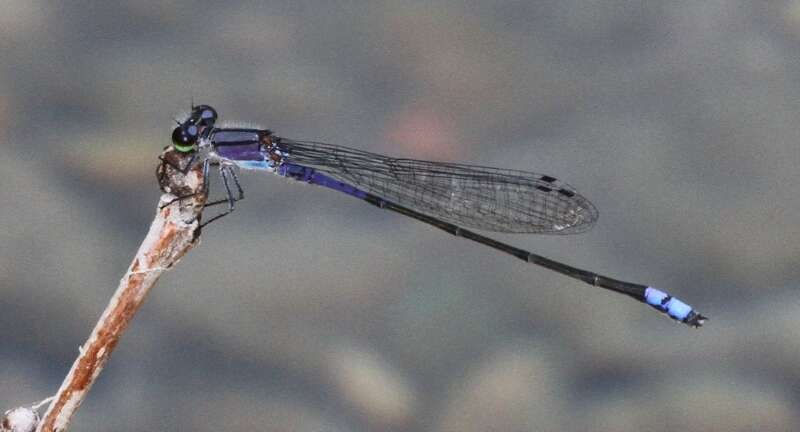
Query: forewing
point(484, 198)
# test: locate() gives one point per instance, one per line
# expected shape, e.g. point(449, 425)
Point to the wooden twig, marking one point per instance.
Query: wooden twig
point(174, 232)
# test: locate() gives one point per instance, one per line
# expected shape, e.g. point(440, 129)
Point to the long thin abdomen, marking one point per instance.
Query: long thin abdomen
point(661, 301)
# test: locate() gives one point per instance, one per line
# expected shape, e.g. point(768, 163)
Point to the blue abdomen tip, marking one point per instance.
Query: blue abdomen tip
point(673, 307)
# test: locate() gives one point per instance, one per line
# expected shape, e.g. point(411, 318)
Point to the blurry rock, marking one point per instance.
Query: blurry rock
point(513, 390)
point(372, 387)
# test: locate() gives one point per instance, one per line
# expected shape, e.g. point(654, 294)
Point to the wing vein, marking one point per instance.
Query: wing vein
point(491, 199)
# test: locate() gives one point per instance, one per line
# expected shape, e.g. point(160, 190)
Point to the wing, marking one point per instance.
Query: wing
point(484, 198)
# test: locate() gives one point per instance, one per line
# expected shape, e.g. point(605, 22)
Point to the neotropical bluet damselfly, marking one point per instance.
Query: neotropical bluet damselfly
point(452, 197)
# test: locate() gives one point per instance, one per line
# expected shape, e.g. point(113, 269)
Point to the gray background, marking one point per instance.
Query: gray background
point(310, 311)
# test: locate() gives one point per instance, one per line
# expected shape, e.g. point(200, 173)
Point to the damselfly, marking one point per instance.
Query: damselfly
point(451, 197)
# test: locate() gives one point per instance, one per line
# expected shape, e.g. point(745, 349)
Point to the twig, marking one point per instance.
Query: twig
point(174, 231)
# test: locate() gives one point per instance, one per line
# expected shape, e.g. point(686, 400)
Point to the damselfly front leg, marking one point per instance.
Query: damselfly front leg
point(182, 167)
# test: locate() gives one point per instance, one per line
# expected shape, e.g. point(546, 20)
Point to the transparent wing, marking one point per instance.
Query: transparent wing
point(484, 198)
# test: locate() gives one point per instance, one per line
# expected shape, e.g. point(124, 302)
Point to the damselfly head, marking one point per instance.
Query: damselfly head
point(185, 136)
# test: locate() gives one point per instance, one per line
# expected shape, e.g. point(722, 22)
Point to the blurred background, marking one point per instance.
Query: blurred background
point(306, 310)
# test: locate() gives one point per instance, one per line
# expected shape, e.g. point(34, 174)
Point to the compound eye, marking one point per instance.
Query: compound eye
point(184, 137)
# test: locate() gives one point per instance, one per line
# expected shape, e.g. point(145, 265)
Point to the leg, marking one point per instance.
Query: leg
point(205, 188)
point(235, 179)
point(224, 172)
point(183, 170)
point(238, 186)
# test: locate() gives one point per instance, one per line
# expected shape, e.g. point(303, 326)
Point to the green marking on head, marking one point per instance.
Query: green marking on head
point(184, 148)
